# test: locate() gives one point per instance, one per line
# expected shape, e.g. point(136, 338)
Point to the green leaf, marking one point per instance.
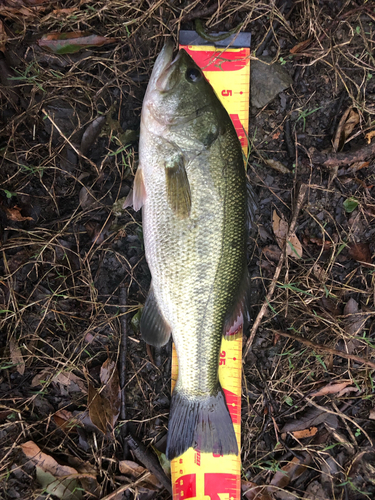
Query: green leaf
point(65, 488)
point(136, 320)
point(350, 204)
point(289, 401)
point(164, 462)
point(69, 43)
point(9, 194)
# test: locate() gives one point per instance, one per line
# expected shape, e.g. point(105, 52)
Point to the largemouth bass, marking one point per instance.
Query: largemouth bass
point(191, 186)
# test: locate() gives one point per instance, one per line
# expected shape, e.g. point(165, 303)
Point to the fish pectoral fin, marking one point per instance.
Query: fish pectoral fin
point(178, 187)
point(237, 314)
point(139, 191)
point(154, 328)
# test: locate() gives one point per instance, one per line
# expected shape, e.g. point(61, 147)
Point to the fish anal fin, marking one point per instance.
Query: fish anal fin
point(139, 191)
point(178, 187)
point(235, 316)
point(200, 423)
point(154, 328)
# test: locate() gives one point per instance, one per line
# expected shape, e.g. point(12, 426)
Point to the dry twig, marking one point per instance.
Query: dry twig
point(326, 349)
point(297, 208)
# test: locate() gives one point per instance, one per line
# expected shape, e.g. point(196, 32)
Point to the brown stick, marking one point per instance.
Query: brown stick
point(122, 368)
point(149, 461)
point(343, 159)
point(300, 198)
point(328, 350)
point(115, 494)
point(199, 13)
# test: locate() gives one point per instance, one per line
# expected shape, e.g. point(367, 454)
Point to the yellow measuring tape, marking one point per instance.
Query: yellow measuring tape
point(196, 475)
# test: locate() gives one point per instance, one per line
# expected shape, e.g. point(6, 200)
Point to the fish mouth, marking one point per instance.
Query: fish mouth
point(164, 69)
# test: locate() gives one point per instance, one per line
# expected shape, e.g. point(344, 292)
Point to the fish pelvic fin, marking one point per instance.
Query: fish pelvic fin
point(137, 195)
point(239, 309)
point(154, 328)
point(201, 423)
point(139, 192)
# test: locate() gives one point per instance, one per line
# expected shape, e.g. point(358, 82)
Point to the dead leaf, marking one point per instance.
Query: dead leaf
point(66, 420)
point(369, 136)
point(110, 379)
point(130, 468)
point(59, 13)
point(310, 418)
point(331, 306)
point(46, 462)
point(3, 36)
point(69, 382)
point(369, 210)
point(134, 471)
point(351, 307)
point(331, 389)
point(301, 46)
point(99, 232)
point(345, 127)
point(305, 433)
point(69, 43)
point(294, 247)
point(277, 165)
point(87, 199)
point(13, 9)
point(290, 472)
point(372, 414)
point(14, 214)
point(360, 252)
point(5, 413)
point(319, 272)
point(16, 356)
point(18, 259)
point(358, 165)
point(326, 244)
point(41, 377)
point(314, 491)
point(355, 320)
point(99, 410)
point(91, 134)
point(252, 491)
point(281, 228)
point(272, 252)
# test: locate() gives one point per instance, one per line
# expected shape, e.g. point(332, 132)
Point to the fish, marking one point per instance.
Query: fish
point(191, 187)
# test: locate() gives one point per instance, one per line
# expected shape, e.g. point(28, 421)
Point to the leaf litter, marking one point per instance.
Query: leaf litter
point(63, 266)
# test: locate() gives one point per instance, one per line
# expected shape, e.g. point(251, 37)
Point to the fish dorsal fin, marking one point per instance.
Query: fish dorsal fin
point(235, 315)
point(154, 328)
point(178, 187)
point(139, 191)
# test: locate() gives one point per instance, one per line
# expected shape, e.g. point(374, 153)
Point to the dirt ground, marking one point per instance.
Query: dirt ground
point(74, 277)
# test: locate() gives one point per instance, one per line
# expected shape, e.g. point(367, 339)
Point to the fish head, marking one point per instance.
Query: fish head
point(179, 101)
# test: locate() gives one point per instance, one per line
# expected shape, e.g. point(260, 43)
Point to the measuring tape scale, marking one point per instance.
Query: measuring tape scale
point(206, 476)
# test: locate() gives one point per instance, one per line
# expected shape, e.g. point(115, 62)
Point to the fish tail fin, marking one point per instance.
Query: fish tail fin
point(203, 423)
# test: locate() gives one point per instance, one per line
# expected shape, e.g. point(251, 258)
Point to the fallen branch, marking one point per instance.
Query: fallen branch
point(149, 460)
point(115, 494)
point(297, 208)
point(200, 13)
point(122, 367)
point(328, 350)
point(343, 159)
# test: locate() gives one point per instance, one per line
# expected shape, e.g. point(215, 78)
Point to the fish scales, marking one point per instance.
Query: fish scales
point(192, 187)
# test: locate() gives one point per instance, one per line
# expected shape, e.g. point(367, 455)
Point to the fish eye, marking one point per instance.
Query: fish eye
point(193, 75)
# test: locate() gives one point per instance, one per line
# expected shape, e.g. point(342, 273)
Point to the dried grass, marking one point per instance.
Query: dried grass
point(51, 291)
